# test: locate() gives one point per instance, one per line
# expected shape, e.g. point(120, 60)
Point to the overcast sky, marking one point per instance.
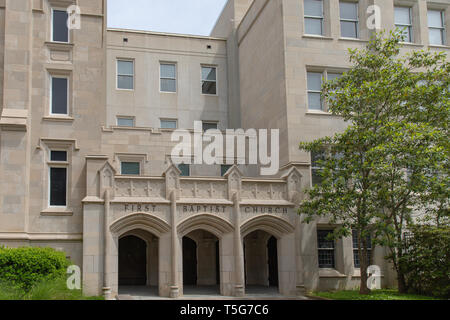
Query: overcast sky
point(174, 16)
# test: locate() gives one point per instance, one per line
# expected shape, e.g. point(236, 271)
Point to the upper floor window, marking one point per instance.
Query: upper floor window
point(436, 27)
point(209, 80)
point(125, 74)
point(60, 31)
point(349, 19)
point(130, 168)
point(58, 178)
point(326, 249)
point(224, 168)
point(168, 124)
point(316, 167)
point(185, 169)
point(168, 80)
point(356, 260)
point(125, 121)
point(59, 95)
point(313, 17)
point(209, 125)
point(403, 20)
point(314, 91)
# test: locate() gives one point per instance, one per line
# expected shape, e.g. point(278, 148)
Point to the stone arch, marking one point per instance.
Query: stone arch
point(140, 220)
point(269, 223)
point(213, 224)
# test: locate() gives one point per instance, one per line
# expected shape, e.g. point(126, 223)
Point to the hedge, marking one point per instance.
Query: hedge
point(26, 266)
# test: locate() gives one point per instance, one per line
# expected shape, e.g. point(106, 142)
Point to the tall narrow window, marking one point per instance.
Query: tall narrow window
point(326, 249)
point(60, 32)
point(316, 166)
point(313, 17)
point(314, 90)
point(356, 260)
point(59, 95)
point(209, 80)
point(403, 21)
point(168, 77)
point(349, 19)
point(58, 178)
point(436, 27)
point(125, 74)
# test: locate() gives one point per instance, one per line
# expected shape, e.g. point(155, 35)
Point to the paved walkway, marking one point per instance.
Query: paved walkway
point(203, 293)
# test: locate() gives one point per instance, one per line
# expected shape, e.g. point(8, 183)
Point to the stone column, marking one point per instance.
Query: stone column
point(106, 248)
point(238, 250)
point(174, 288)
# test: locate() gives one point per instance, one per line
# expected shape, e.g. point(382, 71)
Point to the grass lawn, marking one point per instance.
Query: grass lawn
point(385, 294)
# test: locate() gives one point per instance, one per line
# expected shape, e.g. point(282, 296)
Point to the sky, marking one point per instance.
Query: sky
point(173, 16)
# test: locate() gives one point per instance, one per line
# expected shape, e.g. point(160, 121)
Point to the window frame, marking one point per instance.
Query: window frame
point(442, 29)
point(59, 76)
point(161, 63)
point(125, 75)
point(321, 18)
point(52, 26)
point(308, 91)
point(215, 81)
point(210, 122)
point(356, 253)
point(409, 26)
point(127, 174)
point(161, 120)
point(126, 118)
point(333, 249)
point(356, 22)
point(188, 166)
point(57, 165)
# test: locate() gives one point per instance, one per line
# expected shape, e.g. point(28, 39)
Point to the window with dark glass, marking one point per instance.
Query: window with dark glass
point(59, 95)
point(326, 249)
point(125, 74)
point(131, 168)
point(58, 186)
point(349, 19)
point(185, 169)
point(224, 168)
point(209, 80)
point(316, 166)
point(356, 260)
point(58, 156)
point(313, 15)
point(209, 125)
point(168, 77)
point(60, 31)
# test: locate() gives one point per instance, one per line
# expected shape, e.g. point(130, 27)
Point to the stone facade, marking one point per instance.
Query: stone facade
point(240, 229)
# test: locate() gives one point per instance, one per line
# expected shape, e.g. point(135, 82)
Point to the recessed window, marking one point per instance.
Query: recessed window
point(314, 90)
point(168, 77)
point(185, 169)
point(436, 27)
point(403, 21)
point(326, 249)
point(356, 260)
point(58, 186)
point(130, 168)
point(58, 156)
point(125, 74)
point(209, 80)
point(125, 121)
point(224, 168)
point(313, 17)
point(349, 19)
point(209, 125)
point(60, 31)
point(59, 95)
point(168, 124)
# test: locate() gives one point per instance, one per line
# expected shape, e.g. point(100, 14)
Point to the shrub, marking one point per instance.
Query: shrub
point(427, 261)
point(24, 267)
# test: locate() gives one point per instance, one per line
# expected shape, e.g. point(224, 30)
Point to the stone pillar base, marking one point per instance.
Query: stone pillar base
point(107, 293)
point(300, 290)
point(174, 292)
point(239, 291)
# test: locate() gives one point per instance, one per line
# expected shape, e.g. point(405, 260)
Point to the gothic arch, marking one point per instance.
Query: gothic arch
point(271, 224)
point(140, 220)
point(213, 224)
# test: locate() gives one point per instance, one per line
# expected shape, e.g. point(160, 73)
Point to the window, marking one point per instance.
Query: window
point(209, 80)
point(224, 168)
point(315, 167)
point(313, 17)
point(131, 168)
point(125, 121)
point(349, 19)
point(60, 31)
point(58, 178)
point(168, 124)
point(168, 77)
point(436, 27)
point(314, 90)
point(209, 125)
point(185, 169)
point(59, 95)
point(403, 21)
point(326, 249)
point(125, 74)
point(355, 249)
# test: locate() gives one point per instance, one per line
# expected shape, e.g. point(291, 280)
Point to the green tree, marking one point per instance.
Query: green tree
point(381, 167)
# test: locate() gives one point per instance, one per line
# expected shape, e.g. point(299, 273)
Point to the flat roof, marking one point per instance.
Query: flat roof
point(179, 35)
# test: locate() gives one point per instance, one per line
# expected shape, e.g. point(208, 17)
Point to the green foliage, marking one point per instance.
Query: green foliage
point(386, 294)
point(24, 267)
point(426, 263)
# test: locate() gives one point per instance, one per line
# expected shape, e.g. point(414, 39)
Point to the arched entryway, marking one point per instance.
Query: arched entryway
point(138, 263)
point(261, 263)
point(201, 263)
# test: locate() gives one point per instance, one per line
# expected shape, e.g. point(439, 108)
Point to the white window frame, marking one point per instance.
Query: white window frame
point(442, 29)
point(117, 73)
point(315, 91)
point(51, 95)
point(57, 165)
point(126, 118)
point(321, 18)
point(350, 20)
point(216, 81)
point(409, 26)
point(165, 78)
point(51, 25)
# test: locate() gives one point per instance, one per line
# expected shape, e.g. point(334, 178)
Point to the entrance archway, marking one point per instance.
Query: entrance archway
point(201, 263)
point(261, 262)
